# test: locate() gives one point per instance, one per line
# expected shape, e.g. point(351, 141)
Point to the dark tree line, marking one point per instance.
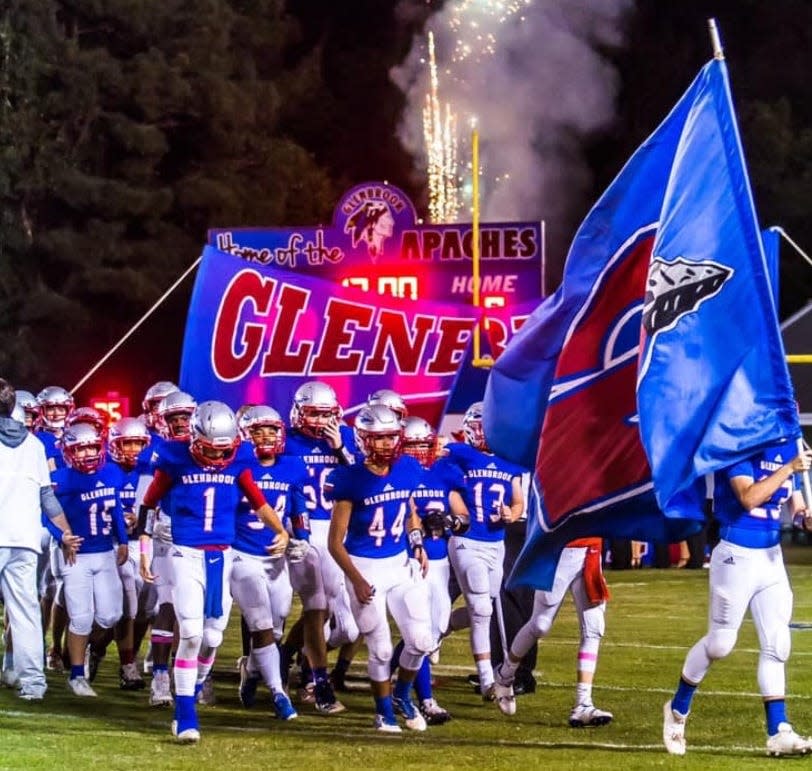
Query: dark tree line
point(129, 127)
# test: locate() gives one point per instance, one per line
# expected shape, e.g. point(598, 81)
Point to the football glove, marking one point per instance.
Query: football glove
point(434, 524)
point(297, 549)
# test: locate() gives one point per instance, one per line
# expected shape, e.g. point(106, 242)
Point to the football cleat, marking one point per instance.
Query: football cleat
point(190, 735)
point(387, 725)
point(92, 661)
point(325, 699)
point(433, 713)
point(30, 695)
point(54, 661)
point(79, 686)
point(160, 692)
point(283, 708)
point(673, 730)
point(129, 679)
point(414, 720)
point(504, 698)
point(489, 694)
point(588, 715)
point(249, 681)
point(786, 742)
point(204, 692)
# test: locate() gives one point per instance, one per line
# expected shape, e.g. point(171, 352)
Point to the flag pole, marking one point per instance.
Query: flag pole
point(716, 41)
point(802, 445)
point(478, 360)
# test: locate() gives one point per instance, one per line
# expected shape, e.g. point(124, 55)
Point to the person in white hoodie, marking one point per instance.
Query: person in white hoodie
point(25, 495)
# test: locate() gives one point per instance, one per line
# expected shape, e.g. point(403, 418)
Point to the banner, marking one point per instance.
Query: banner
point(656, 288)
point(255, 333)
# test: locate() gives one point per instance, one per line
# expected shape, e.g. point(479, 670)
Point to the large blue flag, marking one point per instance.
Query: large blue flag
point(659, 358)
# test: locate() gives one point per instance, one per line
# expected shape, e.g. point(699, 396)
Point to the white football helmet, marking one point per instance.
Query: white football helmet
point(153, 397)
point(91, 415)
point(173, 416)
point(374, 423)
point(215, 436)
point(312, 403)
point(265, 444)
point(472, 427)
point(125, 441)
point(28, 403)
point(79, 437)
point(389, 398)
point(419, 440)
point(54, 404)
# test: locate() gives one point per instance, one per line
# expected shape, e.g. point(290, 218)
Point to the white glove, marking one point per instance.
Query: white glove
point(297, 550)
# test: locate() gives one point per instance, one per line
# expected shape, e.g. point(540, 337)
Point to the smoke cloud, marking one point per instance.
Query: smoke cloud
point(538, 95)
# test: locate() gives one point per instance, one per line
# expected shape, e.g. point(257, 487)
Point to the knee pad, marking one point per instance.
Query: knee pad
point(594, 622)
point(541, 626)
point(190, 627)
point(105, 622)
point(189, 647)
point(719, 643)
point(81, 623)
point(480, 606)
point(212, 638)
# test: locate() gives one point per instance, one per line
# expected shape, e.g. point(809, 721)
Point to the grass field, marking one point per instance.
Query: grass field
point(654, 616)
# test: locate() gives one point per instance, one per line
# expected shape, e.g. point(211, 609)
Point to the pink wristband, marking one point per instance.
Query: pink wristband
point(143, 547)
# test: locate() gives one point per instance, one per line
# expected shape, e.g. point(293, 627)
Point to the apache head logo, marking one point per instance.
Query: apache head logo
point(674, 289)
point(371, 222)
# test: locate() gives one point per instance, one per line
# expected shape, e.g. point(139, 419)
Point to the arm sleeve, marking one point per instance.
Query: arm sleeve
point(49, 503)
point(246, 483)
point(159, 486)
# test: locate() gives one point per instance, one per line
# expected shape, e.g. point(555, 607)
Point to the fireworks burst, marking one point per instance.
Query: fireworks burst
point(474, 24)
point(440, 135)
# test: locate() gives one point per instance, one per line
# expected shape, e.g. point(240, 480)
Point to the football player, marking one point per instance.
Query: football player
point(317, 437)
point(154, 395)
point(389, 398)
point(747, 572)
point(374, 532)
point(495, 498)
point(260, 583)
point(54, 404)
point(88, 491)
point(127, 443)
point(579, 571)
point(206, 484)
point(438, 499)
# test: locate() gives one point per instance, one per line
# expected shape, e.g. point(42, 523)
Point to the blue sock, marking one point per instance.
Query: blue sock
point(383, 706)
point(776, 713)
point(320, 674)
point(402, 690)
point(682, 698)
point(77, 670)
point(395, 660)
point(422, 683)
point(160, 668)
point(185, 712)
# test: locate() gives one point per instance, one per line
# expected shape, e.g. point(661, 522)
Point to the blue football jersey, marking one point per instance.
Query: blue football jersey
point(320, 460)
point(431, 494)
point(380, 506)
point(52, 452)
point(203, 501)
point(281, 484)
point(91, 505)
point(126, 492)
point(489, 484)
point(767, 517)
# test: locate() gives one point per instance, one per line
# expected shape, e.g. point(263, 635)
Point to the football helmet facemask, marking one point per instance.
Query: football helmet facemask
point(254, 424)
point(419, 440)
point(373, 424)
point(215, 436)
point(125, 441)
point(174, 415)
point(54, 405)
point(82, 447)
point(313, 404)
point(472, 427)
